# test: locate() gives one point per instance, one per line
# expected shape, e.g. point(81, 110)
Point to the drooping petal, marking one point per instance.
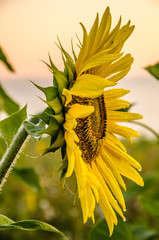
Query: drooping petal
point(123, 131)
point(71, 162)
point(117, 152)
point(111, 181)
point(126, 169)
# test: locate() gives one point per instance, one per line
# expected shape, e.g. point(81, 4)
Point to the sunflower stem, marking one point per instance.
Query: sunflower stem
point(147, 127)
point(9, 158)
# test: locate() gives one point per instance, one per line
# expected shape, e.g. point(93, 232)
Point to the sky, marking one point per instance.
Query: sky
point(29, 30)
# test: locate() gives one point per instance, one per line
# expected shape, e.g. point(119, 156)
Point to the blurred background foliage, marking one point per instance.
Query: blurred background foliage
point(54, 204)
point(34, 191)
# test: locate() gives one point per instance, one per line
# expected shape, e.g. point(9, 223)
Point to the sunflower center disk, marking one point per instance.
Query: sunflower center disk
point(92, 129)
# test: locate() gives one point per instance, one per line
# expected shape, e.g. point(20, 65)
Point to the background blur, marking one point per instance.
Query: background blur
point(28, 31)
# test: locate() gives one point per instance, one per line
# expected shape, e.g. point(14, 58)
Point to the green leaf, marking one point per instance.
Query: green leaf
point(4, 59)
point(9, 126)
point(28, 225)
point(153, 70)
point(29, 177)
point(6, 103)
point(32, 129)
point(122, 231)
point(143, 233)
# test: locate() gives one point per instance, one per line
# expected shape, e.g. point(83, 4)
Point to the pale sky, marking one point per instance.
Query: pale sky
point(29, 28)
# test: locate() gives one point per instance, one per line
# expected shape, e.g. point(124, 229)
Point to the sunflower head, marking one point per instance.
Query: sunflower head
point(81, 118)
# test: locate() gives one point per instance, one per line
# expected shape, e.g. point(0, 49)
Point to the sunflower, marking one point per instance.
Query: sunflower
point(82, 118)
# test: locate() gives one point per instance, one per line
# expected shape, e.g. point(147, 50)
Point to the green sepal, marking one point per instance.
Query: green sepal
point(70, 73)
point(59, 140)
point(52, 129)
point(55, 82)
point(69, 64)
point(74, 55)
point(55, 104)
point(60, 79)
point(45, 115)
point(63, 151)
point(59, 118)
point(50, 92)
point(57, 143)
point(63, 168)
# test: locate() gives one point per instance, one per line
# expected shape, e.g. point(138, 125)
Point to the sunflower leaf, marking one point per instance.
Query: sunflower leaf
point(7, 104)
point(4, 59)
point(33, 129)
point(121, 231)
point(27, 225)
point(153, 70)
point(29, 177)
point(9, 126)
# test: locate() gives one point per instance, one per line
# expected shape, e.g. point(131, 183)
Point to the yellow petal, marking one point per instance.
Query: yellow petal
point(117, 152)
point(97, 60)
point(70, 122)
point(71, 161)
point(127, 170)
point(67, 95)
point(123, 116)
point(80, 111)
point(103, 30)
point(119, 75)
point(123, 131)
point(117, 66)
point(116, 104)
point(115, 93)
point(84, 205)
point(88, 85)
point(115, 140)
point(92, 36)
point(111, 181)
point(83, 50)
point(109, 162)
point(81, 174)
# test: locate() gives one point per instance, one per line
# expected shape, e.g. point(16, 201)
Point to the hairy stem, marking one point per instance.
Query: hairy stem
point(147, 127)
point(11, 153)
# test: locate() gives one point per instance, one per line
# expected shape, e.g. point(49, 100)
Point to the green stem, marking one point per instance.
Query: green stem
point(10, 155)
point(147, 127)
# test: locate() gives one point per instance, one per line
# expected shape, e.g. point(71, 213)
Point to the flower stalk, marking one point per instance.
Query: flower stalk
point(9, 158)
